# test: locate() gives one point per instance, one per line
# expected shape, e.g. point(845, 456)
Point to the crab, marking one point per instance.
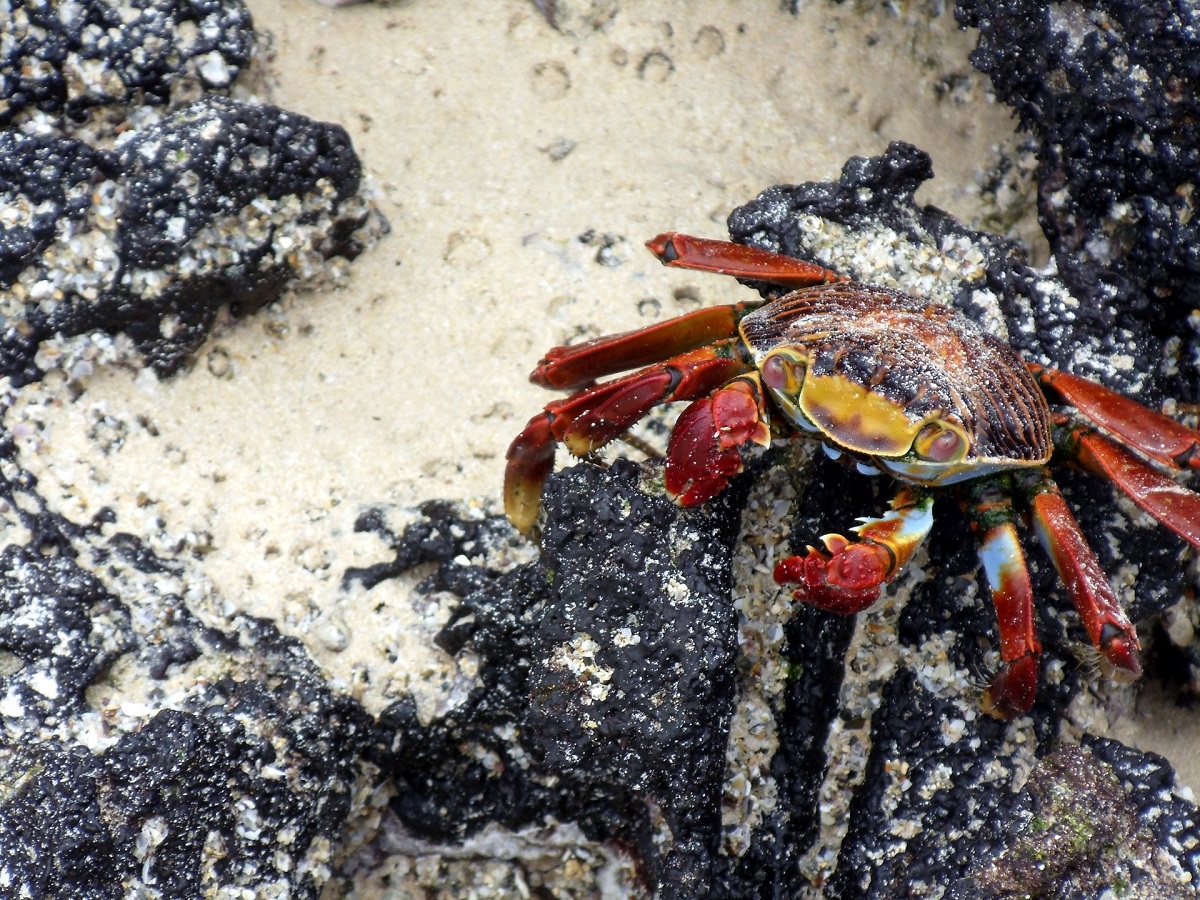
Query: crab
point(889, 383)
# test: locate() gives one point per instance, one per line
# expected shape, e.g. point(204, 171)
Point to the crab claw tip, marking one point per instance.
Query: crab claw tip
point(1120, 649)
point(662, 247)
point(1012, 691)
point(845, 582)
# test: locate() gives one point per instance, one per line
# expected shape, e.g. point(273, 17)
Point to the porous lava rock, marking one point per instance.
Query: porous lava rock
point(1111, 93)
point(67, 61)
point(221, 203)
point(606, 686)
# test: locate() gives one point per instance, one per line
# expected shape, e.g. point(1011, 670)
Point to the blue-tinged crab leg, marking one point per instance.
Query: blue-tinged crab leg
point(848, 578)
point(1099, 610)
point(1013, 688)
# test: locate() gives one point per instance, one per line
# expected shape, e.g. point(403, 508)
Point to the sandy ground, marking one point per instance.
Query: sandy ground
point(495, 143)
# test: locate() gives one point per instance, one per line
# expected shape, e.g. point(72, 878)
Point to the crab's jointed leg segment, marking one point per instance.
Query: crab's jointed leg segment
point(848, 575)
point(1173, 505)
point(590, 418)
point(1159, 437)
point(570, 368)
point(703, 451)
point(1013, 688)
point(683, 251)
point(1099, 610)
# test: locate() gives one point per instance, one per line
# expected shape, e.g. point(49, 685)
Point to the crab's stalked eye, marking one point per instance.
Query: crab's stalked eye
point(937, 443)
point(783, 372)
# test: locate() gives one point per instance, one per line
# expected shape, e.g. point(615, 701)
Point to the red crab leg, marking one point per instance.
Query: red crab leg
point(1173, 505)
point(1099, 610)
point(702, 454)
point(590, 418)
point(1159, 437)
point(683, 251)
point(848, 578)
point(1013, 688)
point(569, 368)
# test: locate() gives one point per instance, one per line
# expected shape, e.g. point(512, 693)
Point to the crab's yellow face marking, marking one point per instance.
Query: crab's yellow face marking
point(856, 418)
point(929, 450)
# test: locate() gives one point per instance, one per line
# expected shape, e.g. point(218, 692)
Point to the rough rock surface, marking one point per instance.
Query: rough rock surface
point(66, 61)
point(1110, 90)
point(1091, 820)
point(221, 203)
point(606, 679)
point(233, 763)
point(150, 747)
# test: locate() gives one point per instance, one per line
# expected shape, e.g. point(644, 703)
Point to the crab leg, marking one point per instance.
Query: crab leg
point(683, 251)
point(590, 418)
point(1014, 686)
point(849, 576)
point(1099, 610)
point(1171, 504)
point(570, 368)
point(1159, 437)
point(702, 454)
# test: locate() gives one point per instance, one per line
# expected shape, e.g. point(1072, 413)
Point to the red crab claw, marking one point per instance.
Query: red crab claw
point(590, 418)
point(683, 251)
point(703, 451)
point(850, 576)
point(846, 580)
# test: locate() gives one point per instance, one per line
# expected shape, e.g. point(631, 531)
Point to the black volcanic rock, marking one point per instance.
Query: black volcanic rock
point(152, 238)
point(65, 61)
point(1111, 92)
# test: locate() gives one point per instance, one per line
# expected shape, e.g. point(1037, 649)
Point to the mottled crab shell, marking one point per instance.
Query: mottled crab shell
point(868, 368)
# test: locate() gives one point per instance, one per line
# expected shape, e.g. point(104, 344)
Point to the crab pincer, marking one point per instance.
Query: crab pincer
point(849, 575)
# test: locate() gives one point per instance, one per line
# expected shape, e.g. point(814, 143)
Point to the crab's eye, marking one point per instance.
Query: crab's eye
point(939, 444)
point(782, 373)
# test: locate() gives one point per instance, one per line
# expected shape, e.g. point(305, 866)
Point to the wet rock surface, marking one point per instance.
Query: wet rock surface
point(606, 681)
point(1092, 819)
point(148, 745)
point(70, 61)
point(209, 757)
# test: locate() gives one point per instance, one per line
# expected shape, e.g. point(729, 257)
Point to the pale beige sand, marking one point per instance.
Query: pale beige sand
point(408, 382)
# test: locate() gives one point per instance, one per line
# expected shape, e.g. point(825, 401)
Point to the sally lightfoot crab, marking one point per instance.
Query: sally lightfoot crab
point(889, 383)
